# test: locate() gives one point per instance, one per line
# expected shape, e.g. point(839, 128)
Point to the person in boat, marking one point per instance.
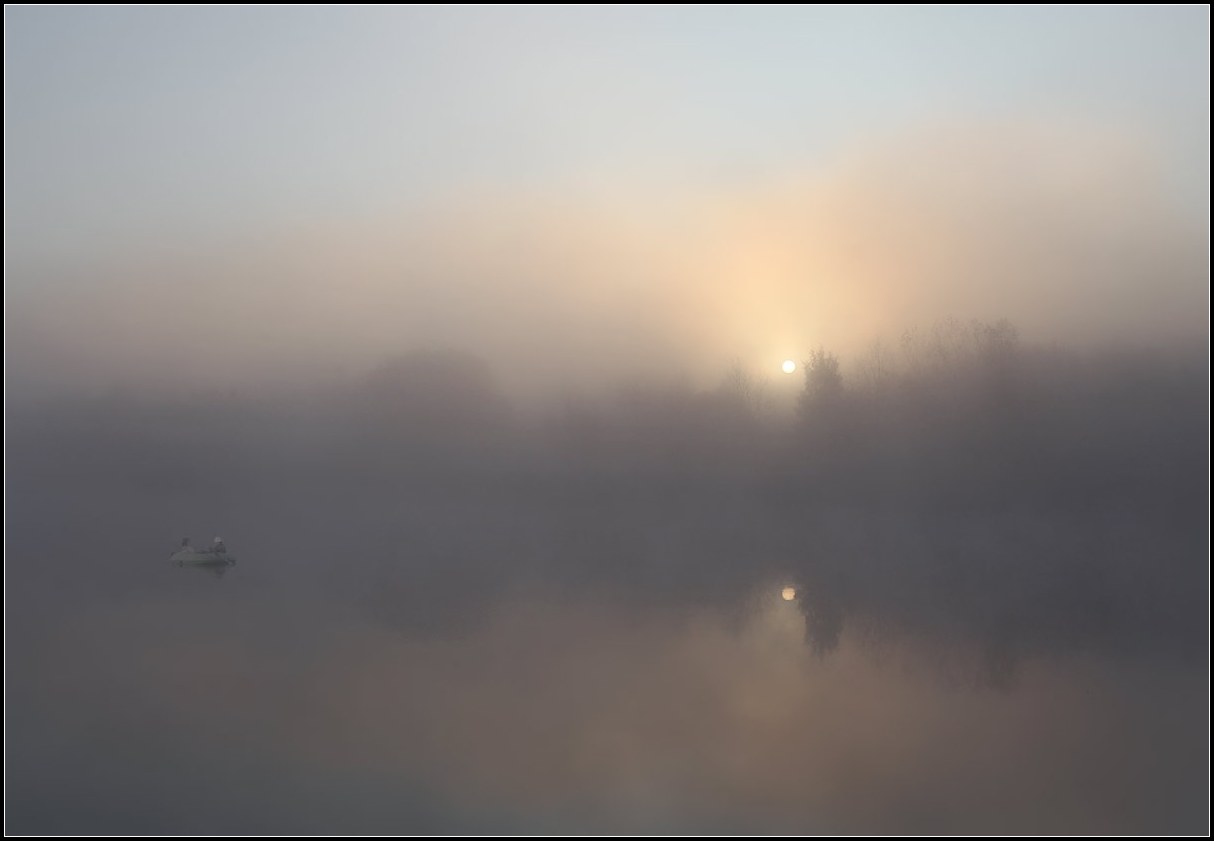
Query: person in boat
point(218, 547)
point(185, 545)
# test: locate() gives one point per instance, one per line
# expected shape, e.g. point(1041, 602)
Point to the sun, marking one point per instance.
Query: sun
point(789, 366)
point(788, 593)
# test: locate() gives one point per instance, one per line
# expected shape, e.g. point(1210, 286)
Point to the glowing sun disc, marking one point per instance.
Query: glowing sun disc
point(789, 366)
point(788, 593)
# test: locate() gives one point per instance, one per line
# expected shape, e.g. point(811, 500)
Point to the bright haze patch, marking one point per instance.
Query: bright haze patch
point(436, 187)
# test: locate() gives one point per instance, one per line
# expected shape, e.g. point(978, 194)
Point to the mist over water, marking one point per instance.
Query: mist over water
point(465, 329)
point(448, 615)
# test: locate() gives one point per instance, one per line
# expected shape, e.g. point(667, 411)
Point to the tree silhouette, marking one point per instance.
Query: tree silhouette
point(823, 390)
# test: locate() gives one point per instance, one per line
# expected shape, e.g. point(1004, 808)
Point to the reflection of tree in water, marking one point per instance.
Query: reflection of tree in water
point(990, 661)
point(916, 612)
point(823, 621)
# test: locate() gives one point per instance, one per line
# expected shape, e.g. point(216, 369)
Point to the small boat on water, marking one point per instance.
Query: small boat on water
point(216, 556)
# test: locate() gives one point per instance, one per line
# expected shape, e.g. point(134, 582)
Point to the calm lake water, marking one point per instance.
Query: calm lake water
point(417, 689)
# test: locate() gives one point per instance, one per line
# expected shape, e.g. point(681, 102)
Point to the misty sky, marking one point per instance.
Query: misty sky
point(584, 194)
